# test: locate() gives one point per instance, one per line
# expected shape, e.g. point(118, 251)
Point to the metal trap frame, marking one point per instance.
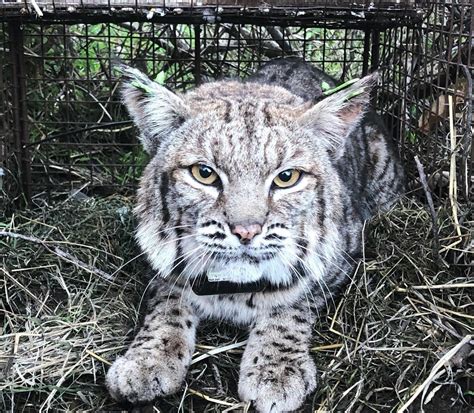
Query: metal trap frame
point(64, 129)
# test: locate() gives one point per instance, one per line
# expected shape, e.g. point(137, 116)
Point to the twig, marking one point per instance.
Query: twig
point(217, 377)
point(218, 350)
point(60, 253)
point(327, 347)
point(449, 355)
point(467, 139)
point(97, 101)
point(277, 36)
point(452, 168)
point(38, 11)
point(208, 398)
point(434, 287)
point(434, 218)
point(81, 264)
point(96, 356)
point(15, 281)
point(100, 127)
point(20, 236)
point(355, 398)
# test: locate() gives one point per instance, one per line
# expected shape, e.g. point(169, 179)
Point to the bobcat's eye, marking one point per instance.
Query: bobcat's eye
point(287, 178)
point(204, 174)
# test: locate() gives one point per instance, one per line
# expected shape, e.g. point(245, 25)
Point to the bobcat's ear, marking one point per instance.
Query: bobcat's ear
point(335, 117)
point(155, 110)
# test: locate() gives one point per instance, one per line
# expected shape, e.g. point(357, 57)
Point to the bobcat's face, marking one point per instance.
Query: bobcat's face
point(241, 185)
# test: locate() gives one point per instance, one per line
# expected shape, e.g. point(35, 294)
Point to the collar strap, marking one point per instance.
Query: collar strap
point(202, 286)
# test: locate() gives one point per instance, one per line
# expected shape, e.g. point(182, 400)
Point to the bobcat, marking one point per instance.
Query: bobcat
point(251, 210)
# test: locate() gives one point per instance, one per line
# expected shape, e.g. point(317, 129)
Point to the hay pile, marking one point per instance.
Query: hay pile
point(72, 281)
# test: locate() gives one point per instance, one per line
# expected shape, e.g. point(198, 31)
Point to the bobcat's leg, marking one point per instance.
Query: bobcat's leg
point(157, 361)
point(277, 371)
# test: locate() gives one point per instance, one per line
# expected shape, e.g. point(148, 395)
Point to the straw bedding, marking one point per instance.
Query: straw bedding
point(72, 281)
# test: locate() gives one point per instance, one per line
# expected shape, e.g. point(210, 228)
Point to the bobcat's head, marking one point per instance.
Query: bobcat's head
point(241, 185)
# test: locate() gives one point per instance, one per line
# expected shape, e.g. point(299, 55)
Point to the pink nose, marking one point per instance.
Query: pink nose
point(245, 233)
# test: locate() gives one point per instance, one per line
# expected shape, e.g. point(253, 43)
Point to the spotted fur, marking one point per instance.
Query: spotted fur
point(311, 233)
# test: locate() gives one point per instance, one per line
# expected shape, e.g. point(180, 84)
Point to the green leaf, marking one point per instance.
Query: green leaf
point(354, 94)
point(161, 78)
point(325, 86)
point(412, 137)
point(340, 87)
point(139, 85)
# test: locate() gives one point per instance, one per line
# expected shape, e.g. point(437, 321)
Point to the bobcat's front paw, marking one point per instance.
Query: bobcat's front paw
point(143, 377)
point(277, 387)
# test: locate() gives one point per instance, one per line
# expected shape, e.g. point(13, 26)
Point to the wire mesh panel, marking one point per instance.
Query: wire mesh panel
point(341, 13)
point(426, 92)
point(80, 137)
point(5, 114)
point(66, 129)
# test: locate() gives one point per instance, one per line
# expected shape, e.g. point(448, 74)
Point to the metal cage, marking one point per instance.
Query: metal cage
point(63, 128)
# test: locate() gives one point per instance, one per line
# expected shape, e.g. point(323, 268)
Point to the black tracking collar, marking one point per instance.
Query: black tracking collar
point(202, 286)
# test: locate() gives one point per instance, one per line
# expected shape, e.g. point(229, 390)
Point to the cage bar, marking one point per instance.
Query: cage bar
point(64, 128)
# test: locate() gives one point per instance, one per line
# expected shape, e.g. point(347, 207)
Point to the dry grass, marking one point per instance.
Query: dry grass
point(71, 285)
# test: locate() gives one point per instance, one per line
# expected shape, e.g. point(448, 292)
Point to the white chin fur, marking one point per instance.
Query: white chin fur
point(161, 255)
point(240, 272)
point(244, 272)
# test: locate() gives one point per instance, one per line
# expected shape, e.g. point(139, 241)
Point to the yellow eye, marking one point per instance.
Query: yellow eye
point(204, 174)
point(287, 178)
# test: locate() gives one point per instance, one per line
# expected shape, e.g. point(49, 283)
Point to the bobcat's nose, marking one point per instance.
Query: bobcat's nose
point(245, 233)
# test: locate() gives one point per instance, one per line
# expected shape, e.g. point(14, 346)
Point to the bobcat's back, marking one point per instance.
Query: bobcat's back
point(294, 74)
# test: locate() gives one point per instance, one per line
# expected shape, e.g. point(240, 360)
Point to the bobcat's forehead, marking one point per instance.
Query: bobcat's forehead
point(241, 128)
point(237, 91)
